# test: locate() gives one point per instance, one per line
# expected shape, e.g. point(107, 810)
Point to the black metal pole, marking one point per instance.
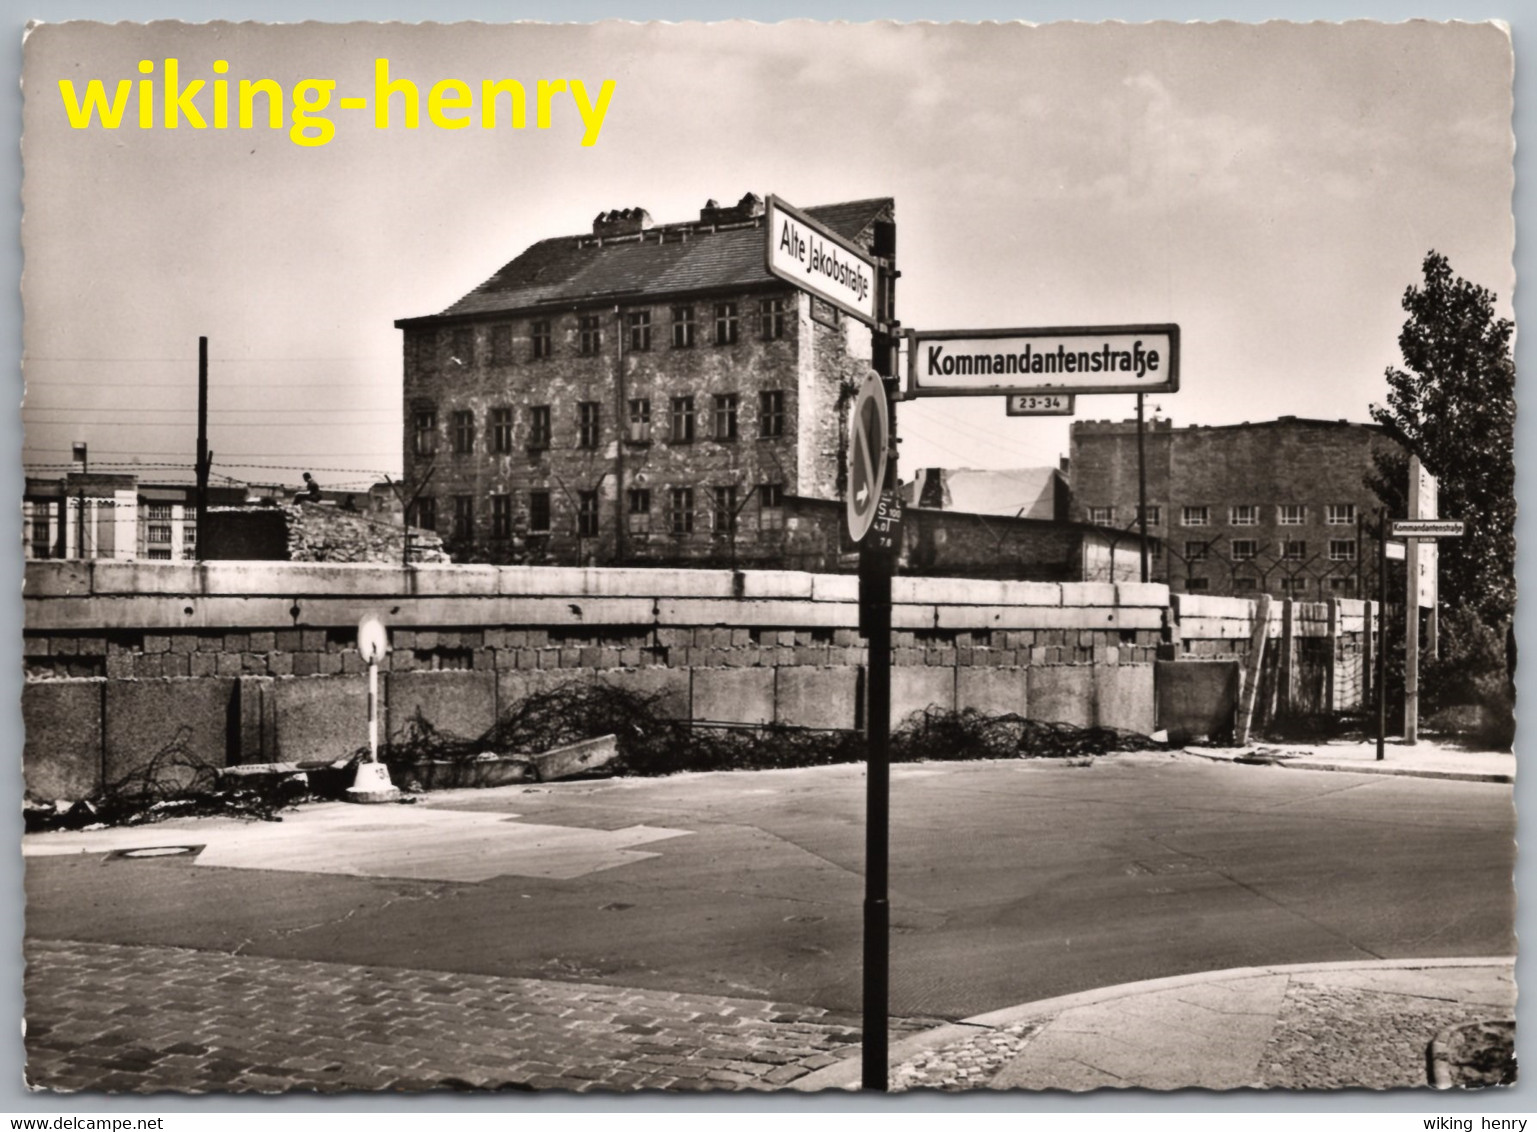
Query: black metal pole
point(201, 526)
point(875, 596)
point(1382, 631)
point(1141, 484)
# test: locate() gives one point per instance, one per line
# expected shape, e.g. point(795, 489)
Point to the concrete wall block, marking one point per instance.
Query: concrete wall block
point(776, 584)
point(62, 754)
point(1142, 593)
point(1032, 593)
point(320, 718)
point(113, 576)
point(514, 685)
point(460, 703)
point(806, 696)
point(1062, 694)
point(167, 729)
point(1088, 593)
point(912, 616)
point(1196, 698)
point(667, 688)
point(992, 690)
point(468, 579)
point(733, 695)
point(919, 688)
point(947, 591)
point(688, 611)
point(235, 579)
point(1125, 698)
point(63, 578)
point(1207, 605)
point(835, 587)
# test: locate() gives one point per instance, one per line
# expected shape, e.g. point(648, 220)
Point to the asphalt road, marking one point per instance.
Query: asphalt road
point(1010, 881)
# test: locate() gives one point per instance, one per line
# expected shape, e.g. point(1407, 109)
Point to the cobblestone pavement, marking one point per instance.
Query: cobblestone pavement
point(149, 1019)
point(1333, 1037)
point(965, 1065)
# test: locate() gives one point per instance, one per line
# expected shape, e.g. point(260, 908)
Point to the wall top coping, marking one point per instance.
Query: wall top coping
point(110, 578)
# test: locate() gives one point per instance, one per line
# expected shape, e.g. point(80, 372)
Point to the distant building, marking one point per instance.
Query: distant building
point(639, 393)
point(98, 515)
point(1020, 493)
point(1271, 507)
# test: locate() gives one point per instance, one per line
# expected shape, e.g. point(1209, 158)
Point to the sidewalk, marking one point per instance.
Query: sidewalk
point(1314, 1026)
point(1428, 758)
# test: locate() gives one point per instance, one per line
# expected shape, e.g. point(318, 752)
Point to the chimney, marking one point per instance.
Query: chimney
point(621, 222)
point(748, 207)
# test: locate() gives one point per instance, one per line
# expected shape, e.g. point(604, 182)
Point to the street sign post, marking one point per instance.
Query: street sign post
point(1060, 359)
point(801, 251)
point(372, 780)
point(1040, 404)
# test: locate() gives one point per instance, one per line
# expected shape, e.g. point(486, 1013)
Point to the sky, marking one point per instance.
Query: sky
point(1271, 188)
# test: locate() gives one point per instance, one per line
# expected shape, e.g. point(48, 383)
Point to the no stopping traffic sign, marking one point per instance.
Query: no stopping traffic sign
point(869, 445)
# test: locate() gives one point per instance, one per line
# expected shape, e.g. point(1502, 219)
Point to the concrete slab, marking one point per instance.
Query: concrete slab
point(915, 689)
point(1123, 696)
point(319, 717)
point(407, 842)
point(733, 695)
point(993, 691)
point(179, 725)
point(514, 685)
point(461, 703)
point(62, 757)
point(1209, 1036)
point(667, 687)
point(816, 696)
point(1062, 694)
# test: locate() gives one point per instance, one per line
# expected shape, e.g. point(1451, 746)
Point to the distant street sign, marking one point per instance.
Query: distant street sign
point(373, 639)
point(1070, 359)
point(1040, 404)
point(1426, 528)
point(869, 445)
point(815, 258)
point(1396, 551)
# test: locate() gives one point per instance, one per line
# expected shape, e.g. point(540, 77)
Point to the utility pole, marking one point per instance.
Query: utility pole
point(1382, 631)
point(1141, 483)
point(203, 456)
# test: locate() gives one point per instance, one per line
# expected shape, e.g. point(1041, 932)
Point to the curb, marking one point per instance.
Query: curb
point(1361, 768)
point(846, 1074)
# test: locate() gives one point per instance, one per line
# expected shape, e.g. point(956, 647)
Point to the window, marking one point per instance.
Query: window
point(189, 541)
point(1196, 551)
point(1340, 514)
point(1244, 549)
point(771, 315)
point(1294, 550)
point(1294, 585)
point(501, 516)
point(464, 517)
point(639, 323)
point(725, 324)
point(501, 344)
point(1104, 516)
point(1346, 587)
point(640, 510)
point(158, 532)
point(424, 432)
point(771, 501)
point(463, 346)
point(725, 510)
point(422, 349)
point(1197, 585)
point(501, 430)
point(426, 513)
point(640, 420)
point(682, 420)
point(681, 513)
point(539, 512)
point(1154, 514)
point(539, 427)
point(771, 413)
point(464, 431)
point(587, 514)
point(589, 427)
point(1291, 514)
point(1342, 550)
point(1244, 515)
point(41, 527)
point(539, 333)
point(158, 513)
point(1245, 585)
point(682, 327)
point(1195, 516)
point(725, 416)
point(591, 334)
point(159, 554)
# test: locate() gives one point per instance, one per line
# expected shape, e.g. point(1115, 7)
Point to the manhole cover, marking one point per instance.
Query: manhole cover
point(160, 851)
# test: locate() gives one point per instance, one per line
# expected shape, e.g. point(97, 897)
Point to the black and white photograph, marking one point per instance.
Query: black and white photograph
point(744, 557)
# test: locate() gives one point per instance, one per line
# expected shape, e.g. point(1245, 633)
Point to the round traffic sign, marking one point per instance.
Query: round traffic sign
point(373, 641)
point(869, 444)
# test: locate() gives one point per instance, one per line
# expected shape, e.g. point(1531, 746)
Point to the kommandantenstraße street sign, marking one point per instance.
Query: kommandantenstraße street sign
point(1426, 528)
point(814, 258)
point(1063, 359)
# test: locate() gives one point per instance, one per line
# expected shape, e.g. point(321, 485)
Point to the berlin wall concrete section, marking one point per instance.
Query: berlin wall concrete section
point(256, 662)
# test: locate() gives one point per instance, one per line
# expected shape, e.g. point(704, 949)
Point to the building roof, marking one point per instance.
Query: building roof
point(667, 259)
point(1027, 493)
point(1164, 424)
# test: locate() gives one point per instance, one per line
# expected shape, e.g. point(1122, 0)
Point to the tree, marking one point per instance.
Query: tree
point(1453, 405)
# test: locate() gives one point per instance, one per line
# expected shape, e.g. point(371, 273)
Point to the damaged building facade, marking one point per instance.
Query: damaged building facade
point(638, 394)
